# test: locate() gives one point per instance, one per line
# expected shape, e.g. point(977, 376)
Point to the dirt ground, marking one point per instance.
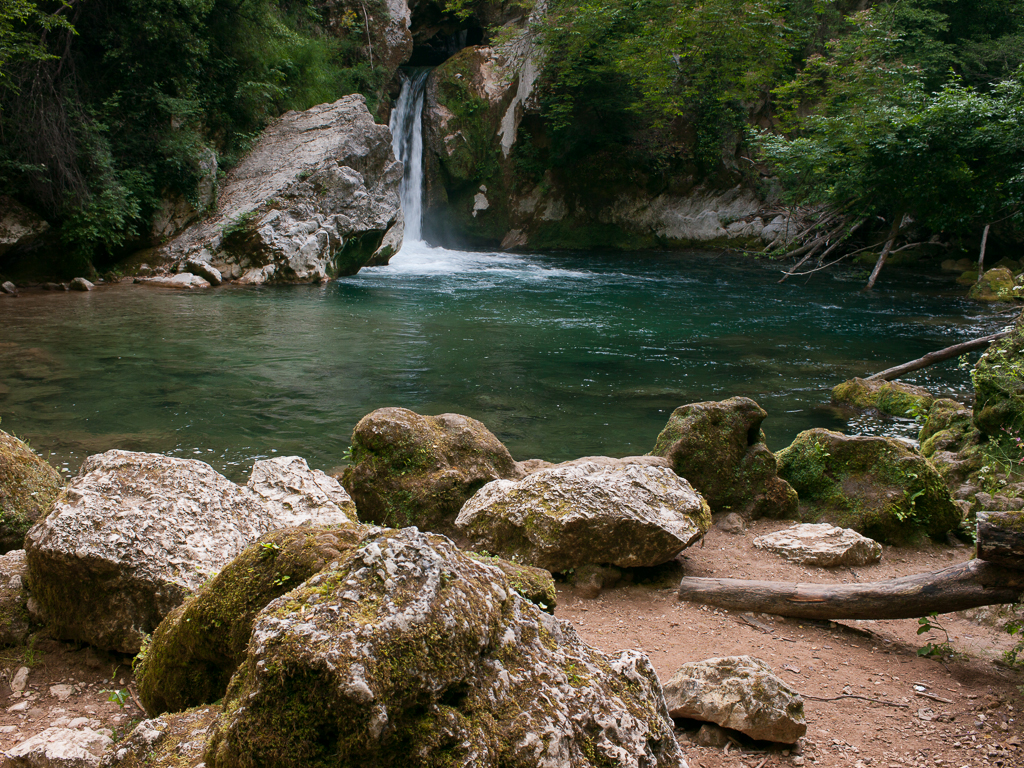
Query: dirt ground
point(912, 711)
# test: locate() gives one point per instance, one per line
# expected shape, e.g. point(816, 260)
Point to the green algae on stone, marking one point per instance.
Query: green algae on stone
point(998, 378)
point(28, 487)
point(996, 285)
point(418, 470)
point(875, 485)
point(199, 645)
point(719, 447)
point(892, 397)
point(410, 653)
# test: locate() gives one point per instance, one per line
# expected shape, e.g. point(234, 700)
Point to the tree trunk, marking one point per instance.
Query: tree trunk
point(981, 255)
point(1001, 538)
point(936, 357)
point(897, 223)
point(956, 588)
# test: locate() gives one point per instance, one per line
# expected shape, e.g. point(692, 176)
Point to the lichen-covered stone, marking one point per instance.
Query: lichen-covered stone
point(534, 584)
point(15, 622)
point(564, 517)
point(998, 378)
point(995, 285)
point(200, 644)
point(738, 692)
point(297, 493)
point(28, 486)
point(418, 470)
point(892, 397)
point(171, 741)
point(719, 447)
point(410, 653)
point(133, 536)
point(821, 544)
point(874, 485)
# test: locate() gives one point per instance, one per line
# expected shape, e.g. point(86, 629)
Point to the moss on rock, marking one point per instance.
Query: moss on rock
point(197, 647)
point(874, 485)
point(719, 447)
point(995, 285)
point(534, 584)
point(998, 378)
point(949, 427)
point(28, 487)
point(892, 397)
point(419, 470)
point(171, 741)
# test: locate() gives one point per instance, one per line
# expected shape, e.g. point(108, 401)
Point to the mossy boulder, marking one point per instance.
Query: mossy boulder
point(28, 487)
point(534, 584)
point(995, 285)
point(719, 447)
point(200, 644)
point(892, 397)
point(419, 470)
point(171, 741)
point(875, 485)
point(949, 427)
point(15, 622)
point(627, 515)
point(998, 378)
point(410, 653)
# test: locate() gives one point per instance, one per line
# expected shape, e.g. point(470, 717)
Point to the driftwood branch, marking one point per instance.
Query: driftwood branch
point(956, 588)
point(935, 357)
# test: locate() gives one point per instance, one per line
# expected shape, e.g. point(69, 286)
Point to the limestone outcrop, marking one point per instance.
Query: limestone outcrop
point(568, 516)
point(418, 470)
point(821, 544)
point(719, 447)
point(409, 647)
point(313, 199)
point(875, 485)
point(133, 536)
point(738, 692)
point(28, 486)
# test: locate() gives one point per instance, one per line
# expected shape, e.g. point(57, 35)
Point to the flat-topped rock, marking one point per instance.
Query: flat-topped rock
point(821, 544)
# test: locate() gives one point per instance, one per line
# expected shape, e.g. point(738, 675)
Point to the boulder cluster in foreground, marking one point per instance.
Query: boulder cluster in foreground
point(404, 615)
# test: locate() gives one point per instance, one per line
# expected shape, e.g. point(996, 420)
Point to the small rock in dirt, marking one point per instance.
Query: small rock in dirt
point(711, 735)
point(62, 692)
point(21, 706)
point(821, 544)
point(738, 692)
point(20, 680)
point(59, 747)
point(732, 523)
point(9, 287)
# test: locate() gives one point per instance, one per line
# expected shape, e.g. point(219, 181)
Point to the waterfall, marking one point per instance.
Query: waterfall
point(406, 126)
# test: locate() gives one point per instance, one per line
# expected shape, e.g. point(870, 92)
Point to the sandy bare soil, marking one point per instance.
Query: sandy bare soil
point(968, 713)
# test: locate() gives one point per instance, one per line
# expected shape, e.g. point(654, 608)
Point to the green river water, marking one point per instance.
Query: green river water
point(560, 356)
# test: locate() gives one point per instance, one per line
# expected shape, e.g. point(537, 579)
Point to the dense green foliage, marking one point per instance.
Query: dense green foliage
point(132, 101)
point(917, 111)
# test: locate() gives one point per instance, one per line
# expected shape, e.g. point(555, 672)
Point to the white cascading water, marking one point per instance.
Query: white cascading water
point(406, 126)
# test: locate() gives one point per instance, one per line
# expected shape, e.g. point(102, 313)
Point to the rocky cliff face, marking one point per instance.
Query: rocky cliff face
point(487, 185)
point(315, 198)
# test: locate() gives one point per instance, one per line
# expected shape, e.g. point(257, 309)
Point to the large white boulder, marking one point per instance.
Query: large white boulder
point(570, 515)
point(409, 648)
point(298, 494)
point(59, 748)
point(134, 535)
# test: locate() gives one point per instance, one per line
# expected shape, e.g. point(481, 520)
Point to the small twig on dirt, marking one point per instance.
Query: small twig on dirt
point(763, 761)
point(136, 700)
point(725, 752)
point(854, 696)
point(933, 697)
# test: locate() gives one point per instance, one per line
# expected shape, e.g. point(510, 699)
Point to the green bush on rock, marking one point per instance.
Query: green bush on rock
point(874, 485)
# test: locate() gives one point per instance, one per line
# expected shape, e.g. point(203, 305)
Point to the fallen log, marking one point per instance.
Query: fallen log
point(956, 588)
point(936, 357)
point(1001, 538)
